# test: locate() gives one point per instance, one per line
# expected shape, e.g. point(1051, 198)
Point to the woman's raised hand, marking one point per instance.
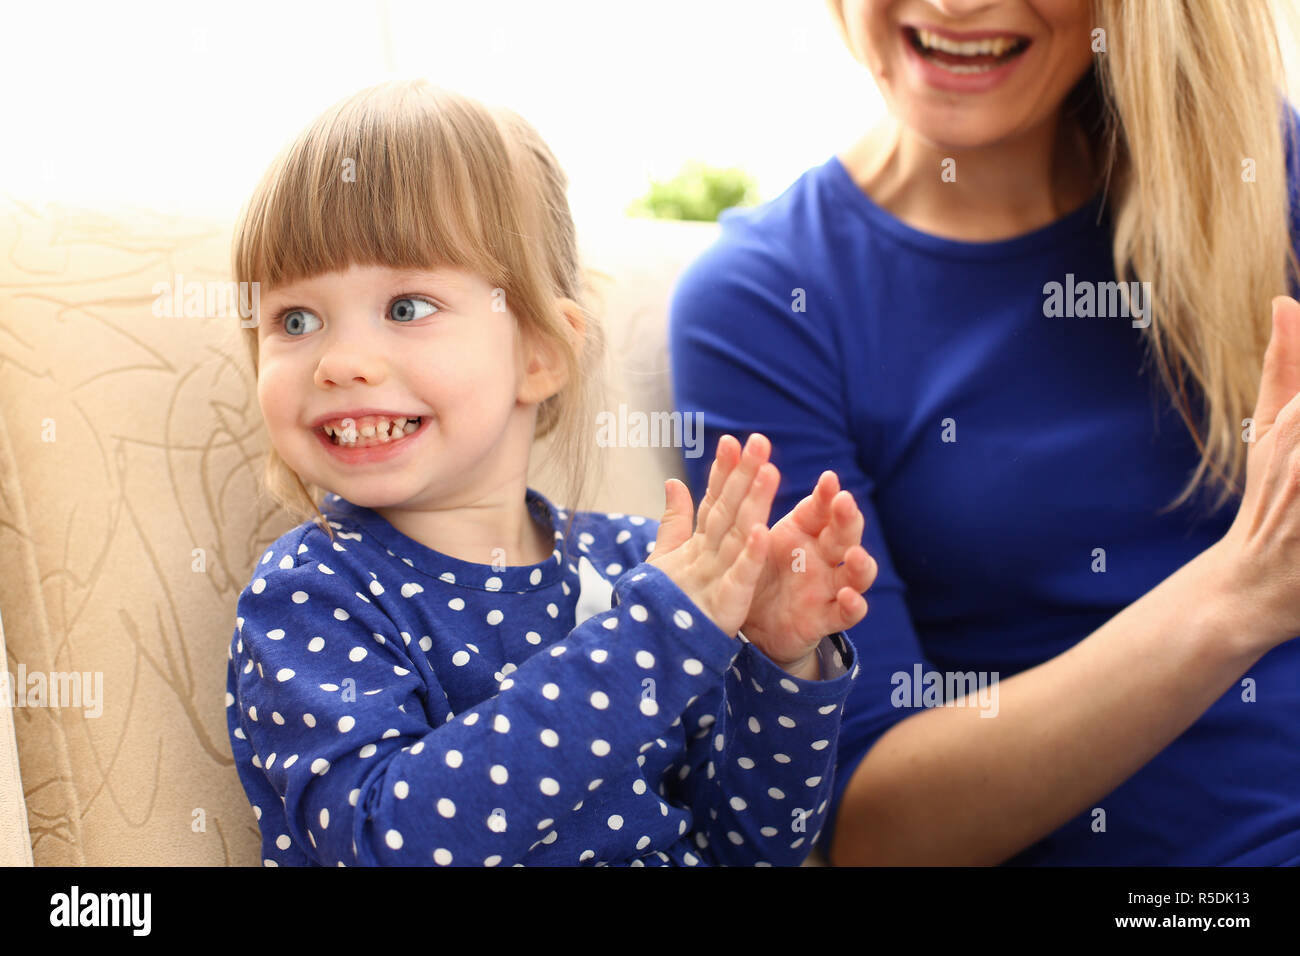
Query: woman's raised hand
point(1261, 549)
point(717, 560)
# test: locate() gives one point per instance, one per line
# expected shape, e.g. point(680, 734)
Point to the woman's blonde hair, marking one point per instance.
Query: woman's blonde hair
point(1183, 95)
point(408, 175)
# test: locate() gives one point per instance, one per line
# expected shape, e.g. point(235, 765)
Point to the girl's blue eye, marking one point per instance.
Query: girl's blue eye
point(407, 309)
point(291, 320)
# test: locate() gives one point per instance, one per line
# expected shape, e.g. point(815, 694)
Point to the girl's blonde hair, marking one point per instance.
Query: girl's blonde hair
point(1182, 95)
point(408, 175)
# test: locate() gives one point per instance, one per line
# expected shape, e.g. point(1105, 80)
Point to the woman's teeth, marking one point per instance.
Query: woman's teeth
point(378, 432)
point(984, 55)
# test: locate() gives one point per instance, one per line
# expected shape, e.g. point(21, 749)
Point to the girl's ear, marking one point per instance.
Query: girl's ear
point(544, 367)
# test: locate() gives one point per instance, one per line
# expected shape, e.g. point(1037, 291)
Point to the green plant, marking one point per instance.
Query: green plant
point(699, 192)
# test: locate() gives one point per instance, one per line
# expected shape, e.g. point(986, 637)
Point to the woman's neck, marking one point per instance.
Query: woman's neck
point(991, 192)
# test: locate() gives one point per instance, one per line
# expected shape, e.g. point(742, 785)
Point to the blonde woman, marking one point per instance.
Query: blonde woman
point(1082, 496)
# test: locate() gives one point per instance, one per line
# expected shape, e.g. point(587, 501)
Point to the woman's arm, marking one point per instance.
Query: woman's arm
point(949, 788)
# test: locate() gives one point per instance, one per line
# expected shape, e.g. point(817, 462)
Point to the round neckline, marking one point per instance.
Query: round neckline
point(451, 570)
point(1047, 236)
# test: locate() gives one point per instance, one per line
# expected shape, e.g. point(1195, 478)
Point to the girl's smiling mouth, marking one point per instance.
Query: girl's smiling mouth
point(346, 441)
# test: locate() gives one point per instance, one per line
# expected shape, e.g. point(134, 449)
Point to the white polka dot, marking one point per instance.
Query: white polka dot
point(550, 738)
point(532, 637)
point(775, 793)
point(549, 786)
point(642, 843)
point(319, 765)
point(356, 654)
point(401, 789)
point(499, 774)
point(754, 726)
point(599, 700)
point(599, 655)
point(283, 841)
point(376, 588)
point(299, 597)
point(446, 808)
point(550, 691)
point(745, 763)
point(649, 707)
point(781, 758)
point(735, 837)
point(494, 616)
point(535, 576)
point(259, 585)
point(682, 619)
point(820, 744)
point(645, 659)
point(827, 709)
point(276, 635)
point(346, 723)
point(456, 604)
point(813, 781)
point(454, 758)
point(282, 675)
point(316, 644)
point(493, 860)
point(552, 610)
point(789, 685)
point(460, 658)
point(615, 822)
point(393, 839)
point(501, 724)
point(492, 584)
point(692, 666)
point(638, 612)
point(600, 747)
point(737, 803)
point(442, 857)
point(614, 569)
point(367, 751)
point(785, 721)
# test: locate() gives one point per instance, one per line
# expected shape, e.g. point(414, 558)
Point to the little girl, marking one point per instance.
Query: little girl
point(439, 666)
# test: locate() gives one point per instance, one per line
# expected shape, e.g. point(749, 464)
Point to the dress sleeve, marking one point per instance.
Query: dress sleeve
point(747, 361)
point(763, 771)
point(331, 704)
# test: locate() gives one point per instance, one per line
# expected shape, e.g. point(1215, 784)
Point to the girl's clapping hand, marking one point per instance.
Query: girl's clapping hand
point(816, 569)
point(717, 559)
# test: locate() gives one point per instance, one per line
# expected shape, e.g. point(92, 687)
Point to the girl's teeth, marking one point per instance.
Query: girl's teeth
point(377, 433)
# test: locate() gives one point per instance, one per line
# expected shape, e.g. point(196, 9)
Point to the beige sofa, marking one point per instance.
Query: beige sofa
point(130, 449)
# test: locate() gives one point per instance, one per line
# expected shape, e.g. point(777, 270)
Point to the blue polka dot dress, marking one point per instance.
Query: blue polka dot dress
point(392, 705)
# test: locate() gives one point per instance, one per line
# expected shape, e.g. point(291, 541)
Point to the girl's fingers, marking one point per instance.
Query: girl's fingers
point(725, 458)
point(677, 523)
point(748, 565)
point(755, 509)
point(844, 529)
point(734, 491)
point(811, 514)
point(858, 572)
point(852, 608)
